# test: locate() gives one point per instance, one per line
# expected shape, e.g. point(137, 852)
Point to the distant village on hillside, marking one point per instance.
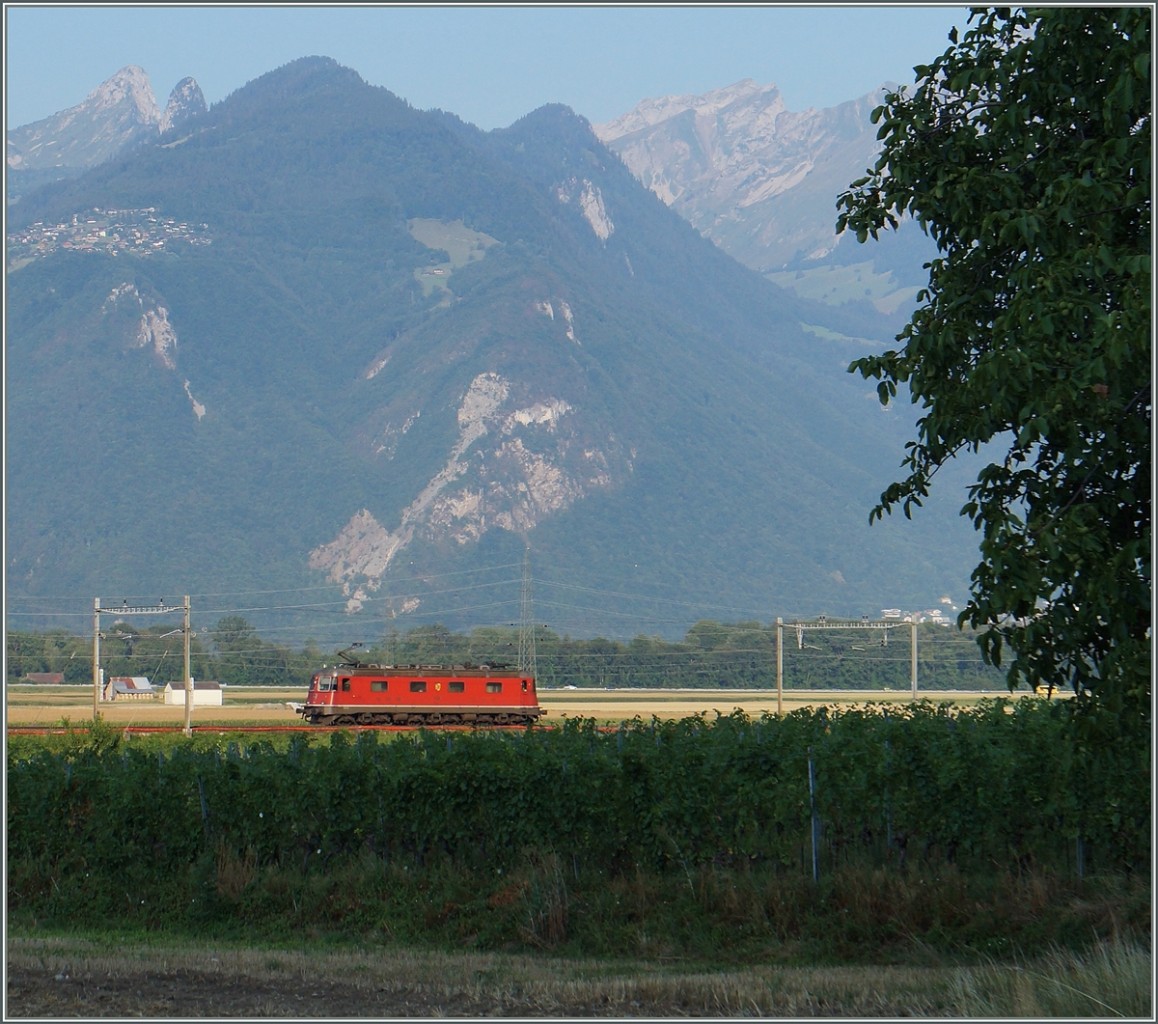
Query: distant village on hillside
point(112, 232)
point(934, 615)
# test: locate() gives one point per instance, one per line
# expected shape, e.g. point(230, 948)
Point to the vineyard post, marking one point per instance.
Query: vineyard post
point(815, 820)
point(888, 804)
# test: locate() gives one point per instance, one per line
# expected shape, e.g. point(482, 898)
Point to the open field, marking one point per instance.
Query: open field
point(55, 977)
point(49, 705)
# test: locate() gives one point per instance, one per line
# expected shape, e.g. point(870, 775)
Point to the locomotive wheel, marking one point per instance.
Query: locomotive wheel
point(344, 720)
point(366, 718)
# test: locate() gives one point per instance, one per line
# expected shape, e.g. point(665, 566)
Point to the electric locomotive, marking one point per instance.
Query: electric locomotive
point(366, 694)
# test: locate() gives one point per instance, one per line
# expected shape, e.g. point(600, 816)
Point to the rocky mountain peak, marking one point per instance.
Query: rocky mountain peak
point(128, 89)
point(650, 112)
point(758, 179)
point(185, 101)
point(120, 112)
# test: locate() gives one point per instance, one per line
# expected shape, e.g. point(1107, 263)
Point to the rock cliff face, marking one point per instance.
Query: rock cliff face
point(590, 201)
point(151, 328)
point(512, 465)
point(186, 101)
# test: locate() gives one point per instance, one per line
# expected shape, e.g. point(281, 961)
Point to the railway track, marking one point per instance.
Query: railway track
point(143, 730)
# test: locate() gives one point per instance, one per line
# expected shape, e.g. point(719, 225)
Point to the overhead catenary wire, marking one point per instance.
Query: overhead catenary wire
point(330, 621)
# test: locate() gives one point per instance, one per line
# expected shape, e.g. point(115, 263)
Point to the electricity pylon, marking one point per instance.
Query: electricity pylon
point(526, 623)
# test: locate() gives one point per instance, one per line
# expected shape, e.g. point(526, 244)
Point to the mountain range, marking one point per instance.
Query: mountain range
point(315, 344)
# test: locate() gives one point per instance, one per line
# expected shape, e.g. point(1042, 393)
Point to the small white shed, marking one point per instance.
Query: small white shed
point(206, 693)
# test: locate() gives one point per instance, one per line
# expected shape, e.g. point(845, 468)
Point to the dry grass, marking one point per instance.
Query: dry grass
point(72, 977)
point(79, 977)
point(1112, 980)
point(67, 977)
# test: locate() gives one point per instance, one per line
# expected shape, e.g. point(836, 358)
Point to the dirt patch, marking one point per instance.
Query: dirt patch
point(40, 992)
point(72, 978)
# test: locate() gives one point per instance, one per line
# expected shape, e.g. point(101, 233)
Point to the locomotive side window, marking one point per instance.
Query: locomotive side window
point(346, 684)
point(377, 685)
point(494, 687)
point(456, 686)
point(417, 685)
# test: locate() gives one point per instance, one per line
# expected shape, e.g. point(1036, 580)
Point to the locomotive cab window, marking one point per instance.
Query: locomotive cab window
point(417, 685)
point(456, 686)
point(493, 686)
point(346, 684)
point(378, 686)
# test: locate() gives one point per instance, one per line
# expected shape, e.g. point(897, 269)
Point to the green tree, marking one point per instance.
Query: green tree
point(1024, 151)
point(706, 635)
point(233, 631)
point(243, 658)
point(25, 654)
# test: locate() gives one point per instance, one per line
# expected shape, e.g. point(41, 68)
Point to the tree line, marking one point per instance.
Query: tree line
point(710, 655)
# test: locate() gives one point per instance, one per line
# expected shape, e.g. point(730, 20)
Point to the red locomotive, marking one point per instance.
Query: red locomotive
point(361, 694)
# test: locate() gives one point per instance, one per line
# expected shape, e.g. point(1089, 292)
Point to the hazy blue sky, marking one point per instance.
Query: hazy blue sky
point(490, 65)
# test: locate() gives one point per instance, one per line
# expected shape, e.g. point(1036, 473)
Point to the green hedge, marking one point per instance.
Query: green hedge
point(1001, 784)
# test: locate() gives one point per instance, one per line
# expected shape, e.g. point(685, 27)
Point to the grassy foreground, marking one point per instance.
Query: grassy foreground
point(540, 942)
point(226, 914)
point(113, 975)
